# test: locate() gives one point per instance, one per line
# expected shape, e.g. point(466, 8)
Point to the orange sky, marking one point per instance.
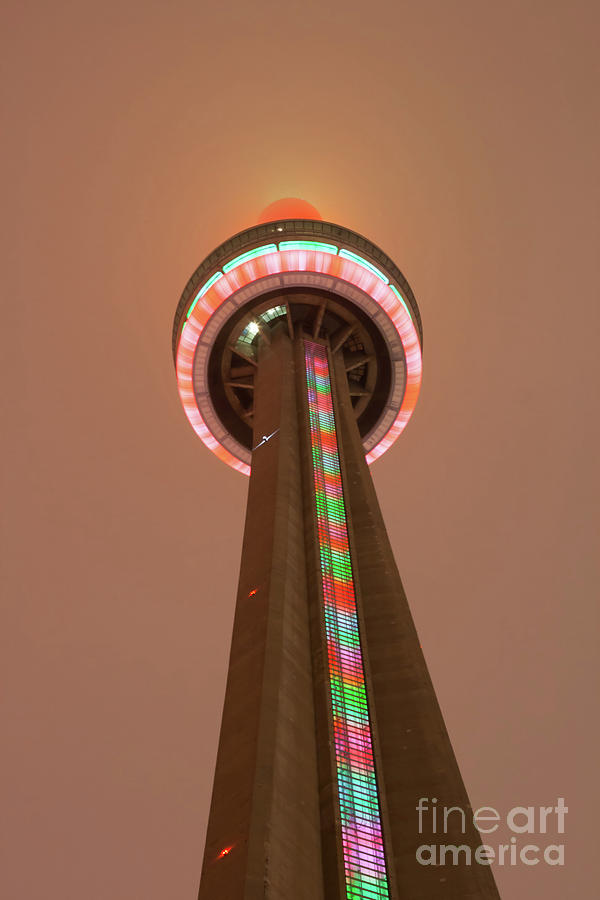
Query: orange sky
point(462, 138)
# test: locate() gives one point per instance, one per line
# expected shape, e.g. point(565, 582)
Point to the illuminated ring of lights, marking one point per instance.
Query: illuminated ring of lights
point(244, 299)
point(216, 298)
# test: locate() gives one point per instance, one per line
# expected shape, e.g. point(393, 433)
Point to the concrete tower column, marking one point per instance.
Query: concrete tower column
point(265, 795)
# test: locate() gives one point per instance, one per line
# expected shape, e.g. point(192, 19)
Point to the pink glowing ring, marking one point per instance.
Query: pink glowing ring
point(354, 271)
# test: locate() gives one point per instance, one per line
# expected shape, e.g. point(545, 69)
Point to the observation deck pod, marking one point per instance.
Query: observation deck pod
point(314, 277)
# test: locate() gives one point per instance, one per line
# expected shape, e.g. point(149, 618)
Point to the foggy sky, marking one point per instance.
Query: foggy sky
point(462, 138)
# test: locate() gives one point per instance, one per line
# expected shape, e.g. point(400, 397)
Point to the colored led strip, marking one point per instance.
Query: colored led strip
point(401, 299)
point(265, 261)
point(362, 841)
point(347, 254)
point(308, 245)
point(205, 287)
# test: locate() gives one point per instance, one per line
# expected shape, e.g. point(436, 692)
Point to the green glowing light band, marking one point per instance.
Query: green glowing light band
point(308, 245)
point(250, 254)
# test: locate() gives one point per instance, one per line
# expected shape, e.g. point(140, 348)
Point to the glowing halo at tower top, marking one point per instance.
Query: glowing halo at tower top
point(288, 208)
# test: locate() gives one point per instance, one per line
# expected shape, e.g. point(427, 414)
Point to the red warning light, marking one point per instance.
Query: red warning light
point(252, 592)
point(225, 852)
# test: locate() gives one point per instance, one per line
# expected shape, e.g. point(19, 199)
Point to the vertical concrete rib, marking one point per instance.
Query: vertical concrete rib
point(350, 747)
point(265, 795)
point(330, 825)
point(415, 757)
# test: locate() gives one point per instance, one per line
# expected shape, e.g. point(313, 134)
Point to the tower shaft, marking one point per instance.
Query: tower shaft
point(331, 730)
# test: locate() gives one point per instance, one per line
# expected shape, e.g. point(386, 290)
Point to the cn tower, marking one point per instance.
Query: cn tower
point(298, 352)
